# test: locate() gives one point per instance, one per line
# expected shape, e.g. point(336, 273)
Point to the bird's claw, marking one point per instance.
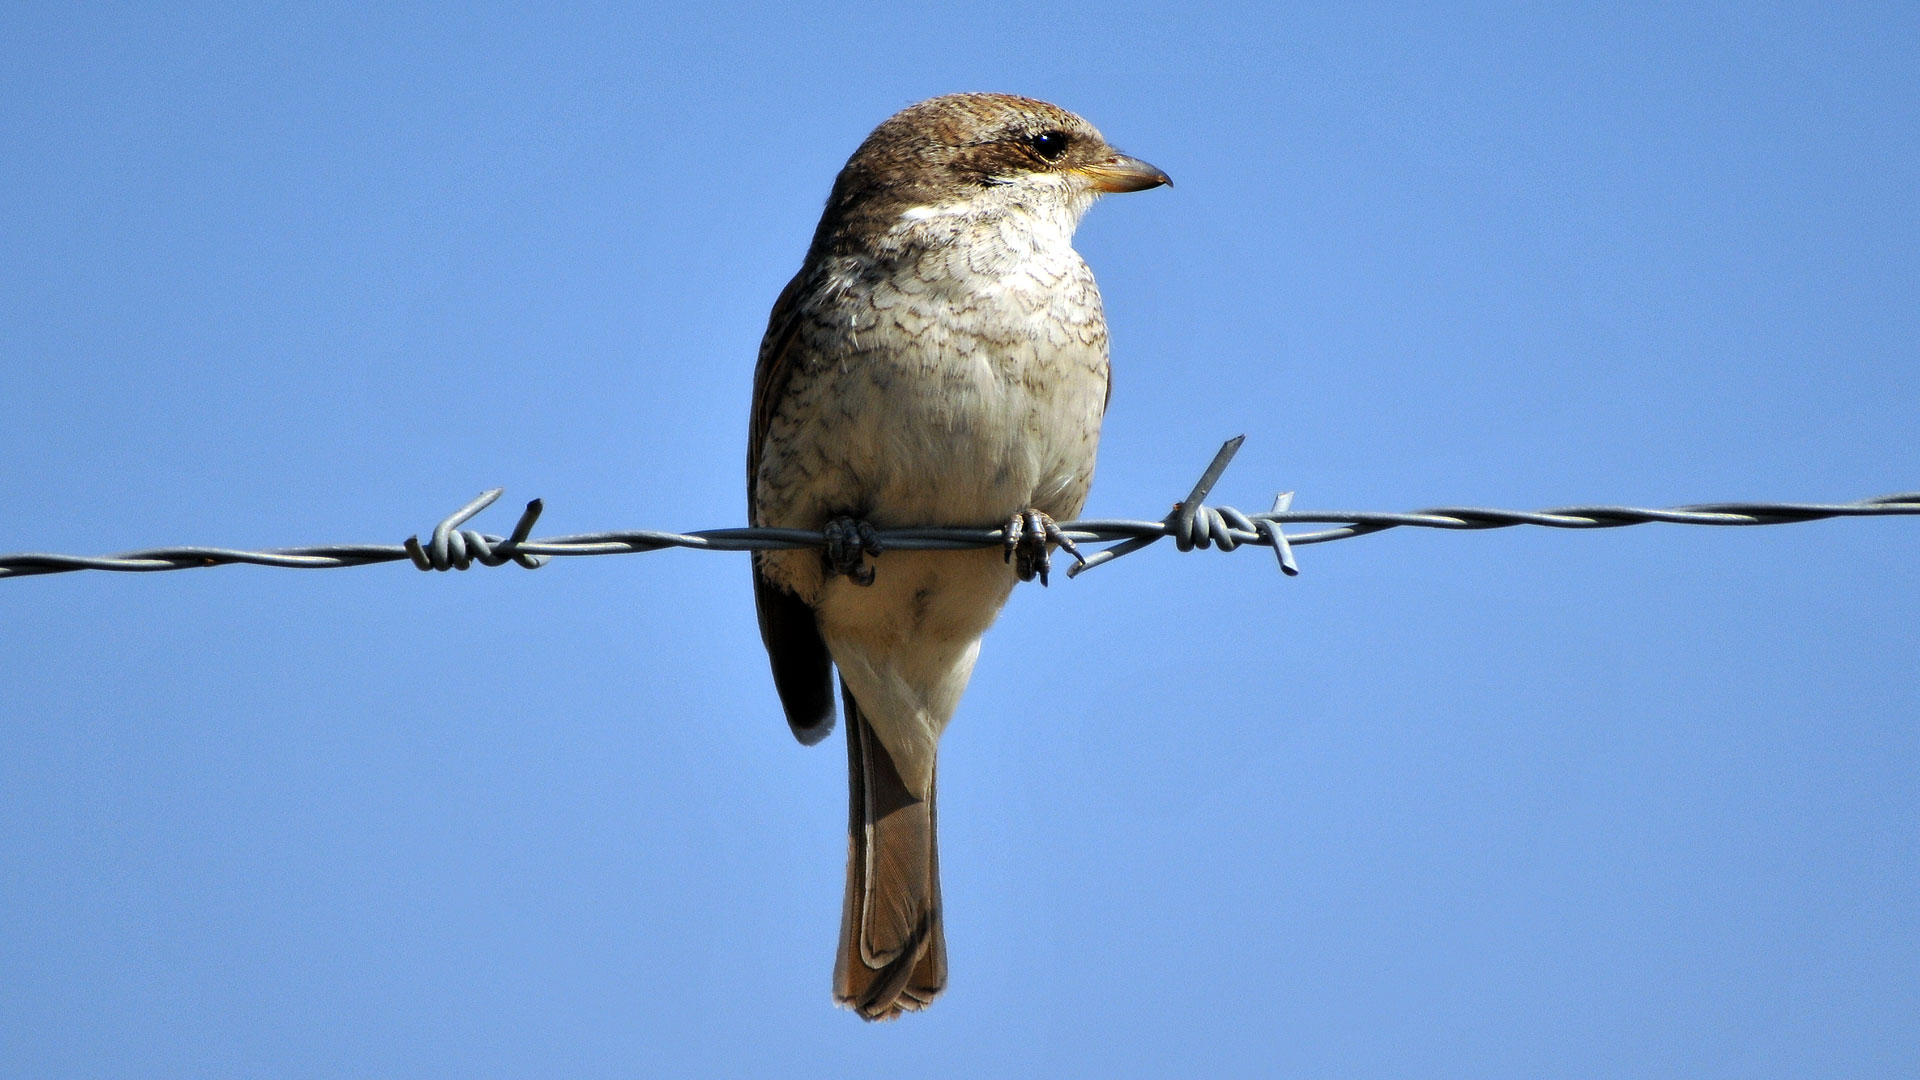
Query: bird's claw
point(1028, 534)
point(849, 541)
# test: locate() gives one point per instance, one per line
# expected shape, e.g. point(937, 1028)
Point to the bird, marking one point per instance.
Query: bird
point(940, 359)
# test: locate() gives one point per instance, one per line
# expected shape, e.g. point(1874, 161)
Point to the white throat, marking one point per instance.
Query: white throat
point(1035, 214)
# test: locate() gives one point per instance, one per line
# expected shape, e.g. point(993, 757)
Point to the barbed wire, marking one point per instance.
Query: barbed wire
point(1191, 524)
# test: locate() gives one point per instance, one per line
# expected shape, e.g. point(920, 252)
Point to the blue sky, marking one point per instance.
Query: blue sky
point(1529, 804)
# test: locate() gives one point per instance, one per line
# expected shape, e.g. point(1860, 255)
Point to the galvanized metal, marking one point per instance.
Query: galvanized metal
point(1192, 524)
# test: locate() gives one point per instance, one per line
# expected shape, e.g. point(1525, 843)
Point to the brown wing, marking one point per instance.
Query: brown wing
point(802, 668)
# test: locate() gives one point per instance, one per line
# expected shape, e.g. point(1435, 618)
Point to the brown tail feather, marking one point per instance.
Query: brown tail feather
point(893, 953)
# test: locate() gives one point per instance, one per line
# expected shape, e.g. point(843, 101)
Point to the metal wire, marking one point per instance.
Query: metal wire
point(1192, 524)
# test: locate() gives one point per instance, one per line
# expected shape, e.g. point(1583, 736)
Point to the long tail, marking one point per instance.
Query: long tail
point(893, 953)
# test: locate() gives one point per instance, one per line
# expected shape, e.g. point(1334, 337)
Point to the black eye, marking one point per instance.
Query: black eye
point(1049, 144)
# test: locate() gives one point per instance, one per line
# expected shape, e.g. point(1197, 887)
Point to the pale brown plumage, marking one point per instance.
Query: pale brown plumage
point(940, 359)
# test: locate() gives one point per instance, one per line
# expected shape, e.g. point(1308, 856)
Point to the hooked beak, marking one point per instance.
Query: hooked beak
point(1123, 173)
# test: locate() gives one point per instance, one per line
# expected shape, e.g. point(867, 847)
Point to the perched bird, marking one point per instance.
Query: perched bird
point(940, 359)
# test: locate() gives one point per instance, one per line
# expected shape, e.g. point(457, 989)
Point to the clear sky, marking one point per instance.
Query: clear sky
point(1521, 804)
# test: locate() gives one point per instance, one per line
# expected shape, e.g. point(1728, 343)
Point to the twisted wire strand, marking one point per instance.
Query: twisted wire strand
point(1191, 524)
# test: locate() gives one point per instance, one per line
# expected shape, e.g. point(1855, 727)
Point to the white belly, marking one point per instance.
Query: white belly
point(933, 406)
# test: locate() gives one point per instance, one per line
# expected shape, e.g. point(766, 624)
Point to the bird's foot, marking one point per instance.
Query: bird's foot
point(1028, 534)
point(849, 541)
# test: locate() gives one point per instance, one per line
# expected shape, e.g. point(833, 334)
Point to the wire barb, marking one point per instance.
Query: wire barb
point(1191, 523)
point(453, 548)
point(1271, 530)
point(1180, 524)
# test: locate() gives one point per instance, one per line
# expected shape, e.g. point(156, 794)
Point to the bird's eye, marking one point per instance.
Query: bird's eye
point(1049, 144)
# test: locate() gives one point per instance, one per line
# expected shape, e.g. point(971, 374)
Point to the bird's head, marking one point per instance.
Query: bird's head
point(981, 156)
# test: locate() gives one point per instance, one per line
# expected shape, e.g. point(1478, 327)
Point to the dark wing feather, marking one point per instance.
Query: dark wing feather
point(802, 668)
